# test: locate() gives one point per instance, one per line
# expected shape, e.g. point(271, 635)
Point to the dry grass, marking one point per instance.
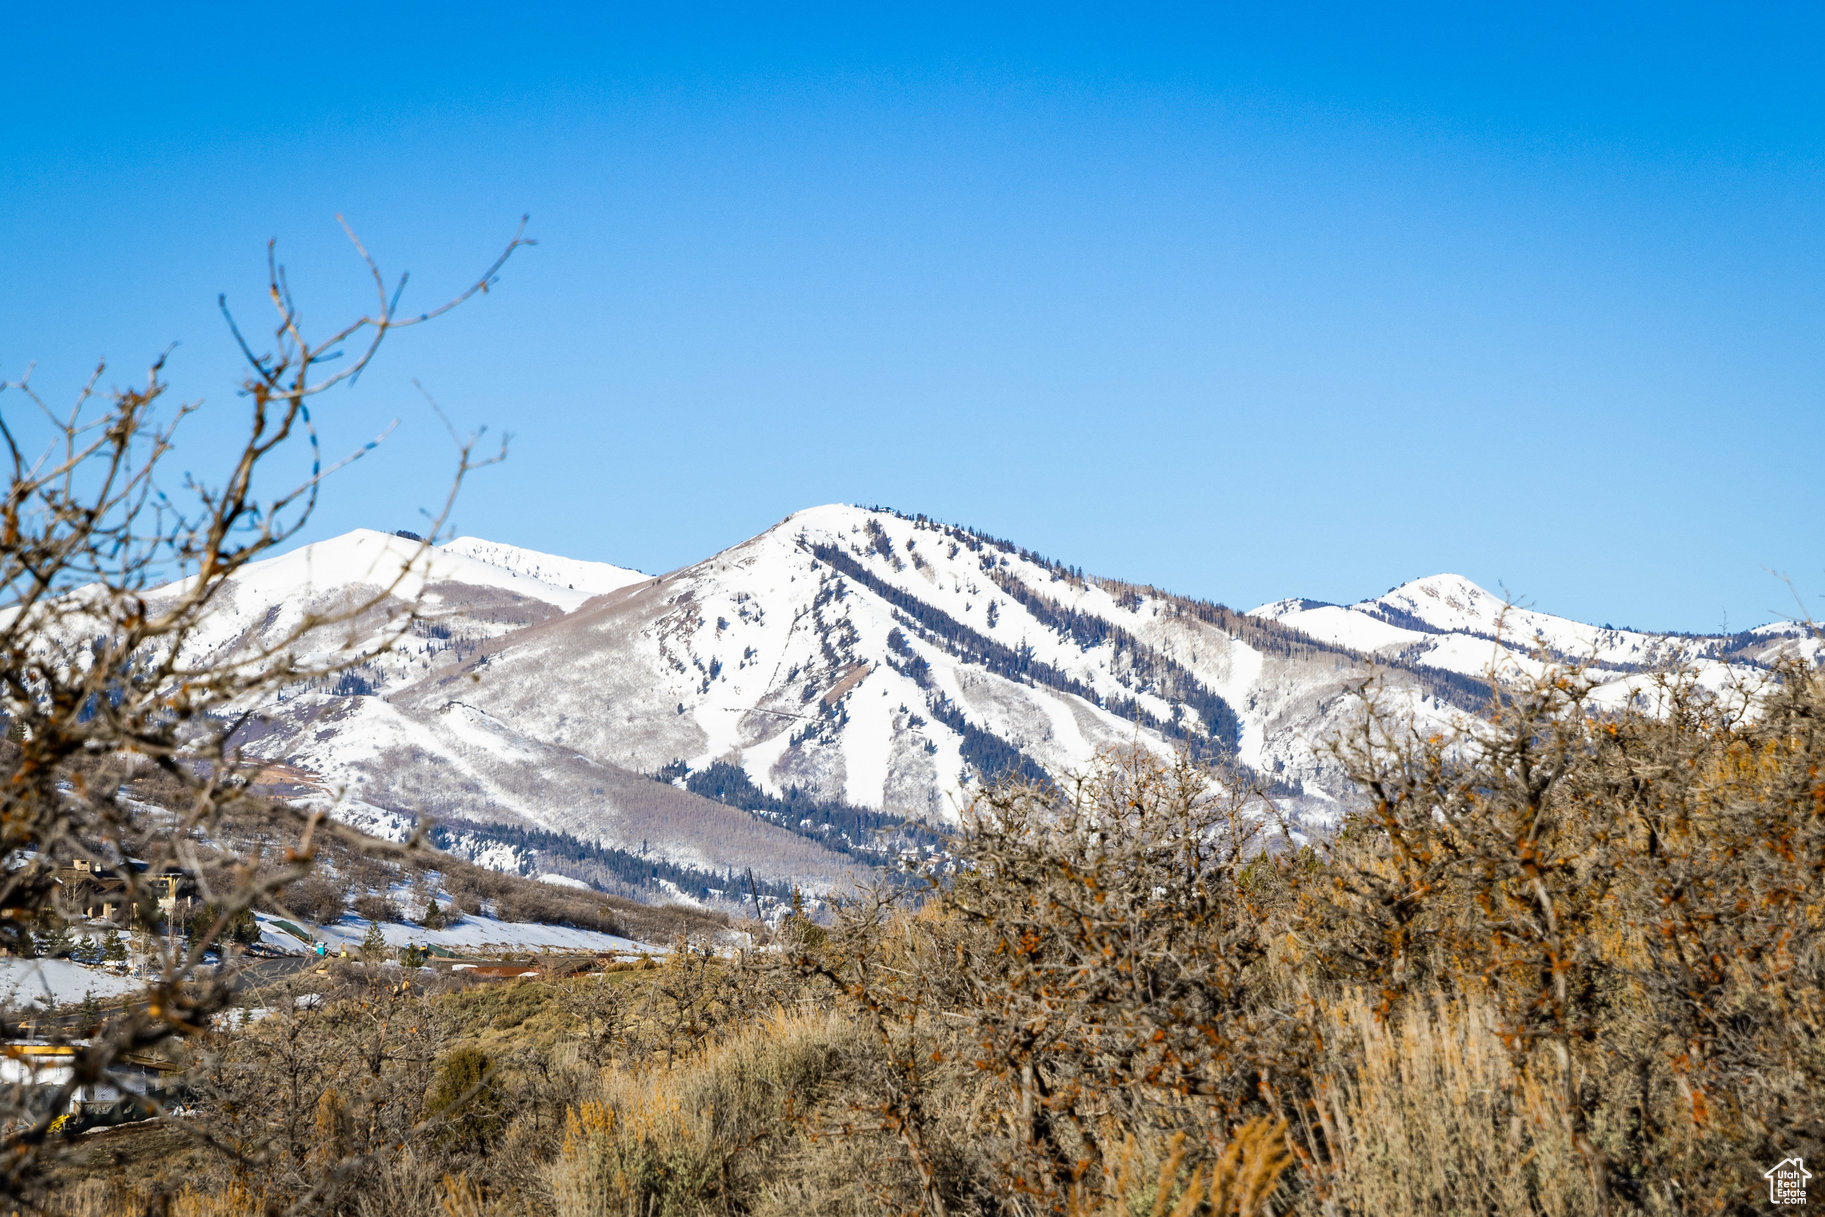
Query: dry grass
point(1497, 997)
point(1429, 1116)
point(99, 1198)
point(779, 1120)
point(692, 1137)
point(1239, 1182)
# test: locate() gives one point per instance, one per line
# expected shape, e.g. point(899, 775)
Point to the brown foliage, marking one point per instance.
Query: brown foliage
point(1097, 968)
point(1562, 962)
point(1633, 895)
point(313, 898)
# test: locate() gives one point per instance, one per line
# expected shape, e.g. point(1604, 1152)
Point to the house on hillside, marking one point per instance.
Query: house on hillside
point(101, 892)
point(128, 1091)
point(177, 893)
point(84, 889)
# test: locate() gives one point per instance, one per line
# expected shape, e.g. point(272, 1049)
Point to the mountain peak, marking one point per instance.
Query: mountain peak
point(1444, 602)
point(856, 657)
point(1443, 586)
point(836, 517)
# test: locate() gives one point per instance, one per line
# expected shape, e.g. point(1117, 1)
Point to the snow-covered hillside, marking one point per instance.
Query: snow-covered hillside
point(548, 570)
point(1448, 623)
point(857, 657)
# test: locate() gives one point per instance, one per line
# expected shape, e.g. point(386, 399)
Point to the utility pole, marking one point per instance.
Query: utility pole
point(755, 895)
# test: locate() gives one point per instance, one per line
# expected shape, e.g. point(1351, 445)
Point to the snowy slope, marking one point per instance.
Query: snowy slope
point(383, 764)
point(889, 662)
point(58, 982)
point(361, 586)
point(548, 570)
point(1448, 623)
point(770, 656)
point(471, 933)
point(884, 661)
point(368, 559)
point(472, 585)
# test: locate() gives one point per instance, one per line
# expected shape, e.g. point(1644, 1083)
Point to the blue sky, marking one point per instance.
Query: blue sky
point(1247, 302)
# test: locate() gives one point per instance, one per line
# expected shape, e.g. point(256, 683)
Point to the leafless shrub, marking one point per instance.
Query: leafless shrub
point(376, 908)
point(1099, 963)
point(371, 874)
point(315, 899)
point(1631, 895)
point(104, 681)
point(1566, 960)
point(1115, 962)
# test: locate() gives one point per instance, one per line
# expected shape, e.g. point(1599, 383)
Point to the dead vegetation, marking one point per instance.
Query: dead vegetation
point(1563, 963)
point(112, 563)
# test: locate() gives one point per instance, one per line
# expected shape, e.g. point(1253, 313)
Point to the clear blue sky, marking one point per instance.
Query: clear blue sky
point(1273, 301)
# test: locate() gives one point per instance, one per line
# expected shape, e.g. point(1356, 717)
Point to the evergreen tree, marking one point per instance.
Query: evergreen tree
point(59, 943)
point(113, 950)
point(434, 917)
point(201, 921)
point(373, 944)
point(243, 928)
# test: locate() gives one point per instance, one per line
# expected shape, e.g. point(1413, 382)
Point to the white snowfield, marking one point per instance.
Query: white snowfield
point(475, 934)
point(1449, 623)
point(379, 560)
point(58, 982)
point(365, 582)
point(550, 570)
point(885, 661)
point(47, 983)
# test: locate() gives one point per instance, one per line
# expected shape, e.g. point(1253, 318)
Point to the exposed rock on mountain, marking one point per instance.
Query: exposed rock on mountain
point(850, 659)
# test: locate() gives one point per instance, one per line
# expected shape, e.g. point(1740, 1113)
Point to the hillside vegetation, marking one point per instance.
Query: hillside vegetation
point(1560, 962)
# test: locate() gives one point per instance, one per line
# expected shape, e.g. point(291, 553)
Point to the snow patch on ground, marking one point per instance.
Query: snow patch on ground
point(1349, 628)
point(57, 982)
point(473, 933)
point(551, 570)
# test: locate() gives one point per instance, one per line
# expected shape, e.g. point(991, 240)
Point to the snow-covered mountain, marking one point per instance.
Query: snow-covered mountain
point(1446, 622)
point(774, 705)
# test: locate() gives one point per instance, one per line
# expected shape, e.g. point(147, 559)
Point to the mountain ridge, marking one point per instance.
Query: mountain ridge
point(862, 658)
